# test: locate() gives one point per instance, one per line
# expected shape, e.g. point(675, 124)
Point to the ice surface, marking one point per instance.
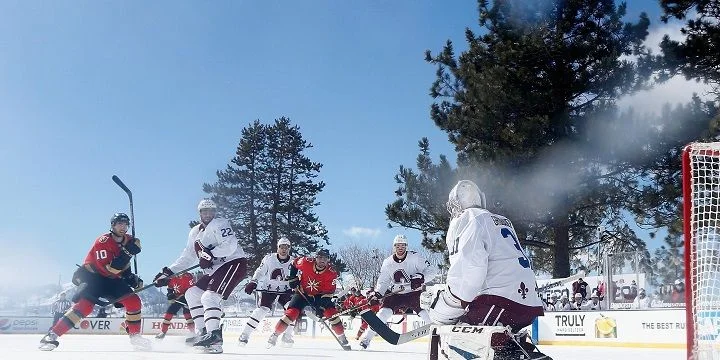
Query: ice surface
point(117, 347)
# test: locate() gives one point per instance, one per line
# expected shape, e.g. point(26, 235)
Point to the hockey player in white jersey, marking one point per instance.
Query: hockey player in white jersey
point(213, 243)
point(402, 278)
point(489, 281)
point(269, 283)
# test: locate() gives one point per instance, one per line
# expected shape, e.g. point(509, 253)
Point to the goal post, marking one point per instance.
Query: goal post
point(701, 227)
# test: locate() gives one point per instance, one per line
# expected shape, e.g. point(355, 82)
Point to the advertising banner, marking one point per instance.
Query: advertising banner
point(664, 328)
point(99, 326)
point(24, 325)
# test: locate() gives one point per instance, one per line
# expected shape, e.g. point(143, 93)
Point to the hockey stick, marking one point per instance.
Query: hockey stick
point(560, 282)
point(112, 301)
point(322, 321)
point(382, 329)
point(367, 303)
point(132, 213)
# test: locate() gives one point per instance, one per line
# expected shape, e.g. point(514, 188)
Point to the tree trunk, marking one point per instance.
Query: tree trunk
point(561, 251)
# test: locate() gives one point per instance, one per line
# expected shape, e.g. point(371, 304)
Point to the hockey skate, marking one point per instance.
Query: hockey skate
point(49, 342)
point(160, 336)
point(287, 340)
point(210, 343)
point(365, 343)
point(344, 342)
point(140, 343)
point(190, 341)
point(243, 340)
point(272, 340)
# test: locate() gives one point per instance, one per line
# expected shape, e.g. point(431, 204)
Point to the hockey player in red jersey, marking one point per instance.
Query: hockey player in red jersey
point(313, 279)
point(105, 273)
point(367, 303)
point(176, 295)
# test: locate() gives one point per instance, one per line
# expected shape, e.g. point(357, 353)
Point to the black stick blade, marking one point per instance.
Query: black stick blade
point(121, 184)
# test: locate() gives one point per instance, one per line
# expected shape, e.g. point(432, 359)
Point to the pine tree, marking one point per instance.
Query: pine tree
point(698, 55)
point(269, 190)
point(531, 84)
point(238, 188)
point(292, 189)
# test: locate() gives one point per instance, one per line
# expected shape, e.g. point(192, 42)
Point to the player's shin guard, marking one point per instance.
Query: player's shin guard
point(211, 303)
point(193, 295)
point(189, 323)
point(132, 313)
point(289, 318)
point(337, 326)
point(255, 318)
point(73, 316)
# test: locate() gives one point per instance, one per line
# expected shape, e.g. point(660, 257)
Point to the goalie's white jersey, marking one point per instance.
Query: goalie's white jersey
point(486, 259)
point(272, 272)
point(395, 274)
point(219, 237)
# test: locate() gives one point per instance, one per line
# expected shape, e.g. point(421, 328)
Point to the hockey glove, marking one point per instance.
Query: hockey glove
point(250, 287)
point(204, 255)
point(163, 277)
point(374, 298)
point(446, 309)
point(133, 246)
point(171, 294)
point(132, 280)
point(293, 283)
point(417, 281)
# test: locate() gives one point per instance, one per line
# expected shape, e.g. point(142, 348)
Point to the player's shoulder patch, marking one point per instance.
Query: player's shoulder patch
point(104, 238)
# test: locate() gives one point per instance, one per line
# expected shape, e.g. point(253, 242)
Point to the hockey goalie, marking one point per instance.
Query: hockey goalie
point(490, 295)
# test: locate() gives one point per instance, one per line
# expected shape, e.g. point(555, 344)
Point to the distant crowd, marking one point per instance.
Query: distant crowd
point(629, 296)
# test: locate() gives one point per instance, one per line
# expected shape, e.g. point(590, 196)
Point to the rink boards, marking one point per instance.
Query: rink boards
point(627, 328)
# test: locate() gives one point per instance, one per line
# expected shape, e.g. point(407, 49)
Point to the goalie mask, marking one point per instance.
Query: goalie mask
point(464, 195)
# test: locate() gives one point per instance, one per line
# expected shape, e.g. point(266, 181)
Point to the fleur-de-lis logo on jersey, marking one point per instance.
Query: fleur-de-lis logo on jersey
point(313, 285)
point(523, 290)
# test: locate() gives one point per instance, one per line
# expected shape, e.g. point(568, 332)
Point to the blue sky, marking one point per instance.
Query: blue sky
point(157, 93)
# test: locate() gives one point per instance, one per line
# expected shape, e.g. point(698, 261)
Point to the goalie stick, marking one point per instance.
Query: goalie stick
point(382, 329)
point(124, 187)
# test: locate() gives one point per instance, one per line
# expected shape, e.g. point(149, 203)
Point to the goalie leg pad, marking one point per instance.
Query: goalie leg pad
point(465, 342)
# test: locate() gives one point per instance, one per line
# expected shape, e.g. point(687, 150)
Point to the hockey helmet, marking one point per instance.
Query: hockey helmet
point(283, 241)
point(206, 204)
point(400, 239)
point(465, 194)
point(119, 217)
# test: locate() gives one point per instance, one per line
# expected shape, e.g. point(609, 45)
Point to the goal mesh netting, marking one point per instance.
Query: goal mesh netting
point(701, 212)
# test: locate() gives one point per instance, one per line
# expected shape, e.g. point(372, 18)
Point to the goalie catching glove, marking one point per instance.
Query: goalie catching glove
point(204, 255)
point(446, 308)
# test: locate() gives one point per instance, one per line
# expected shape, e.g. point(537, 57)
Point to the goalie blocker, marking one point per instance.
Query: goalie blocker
point(481, 342)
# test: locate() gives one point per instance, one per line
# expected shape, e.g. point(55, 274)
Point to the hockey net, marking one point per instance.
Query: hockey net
point(701, 220)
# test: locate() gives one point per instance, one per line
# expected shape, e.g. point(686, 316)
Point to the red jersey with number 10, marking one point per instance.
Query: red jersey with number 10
point(315, 282)
point(102, 253)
